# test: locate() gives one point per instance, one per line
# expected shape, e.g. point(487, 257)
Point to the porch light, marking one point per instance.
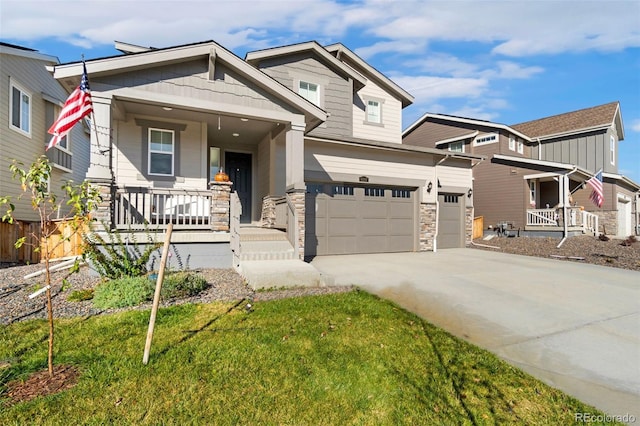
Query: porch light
point(244, 119)
point(235, 135)
point(167, 108)
point(429, 187)
point(469, 193)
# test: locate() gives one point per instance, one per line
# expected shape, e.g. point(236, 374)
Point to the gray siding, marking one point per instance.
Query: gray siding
point(336, 92)
point(191, 80)
point(589, 151)
point(32, 76)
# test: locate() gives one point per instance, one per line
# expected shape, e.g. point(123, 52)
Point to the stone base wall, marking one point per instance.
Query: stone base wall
point(104, 212)
point(220, 205)
point(468, 225)
point(268, 215)
point(427, 226)
point(297, 197)
point(607, 221)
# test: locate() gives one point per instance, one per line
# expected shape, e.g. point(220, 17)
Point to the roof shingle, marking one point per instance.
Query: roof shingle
point(570, 121)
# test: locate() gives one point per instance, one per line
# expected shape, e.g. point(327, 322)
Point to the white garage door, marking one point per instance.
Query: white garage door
point(345, 219)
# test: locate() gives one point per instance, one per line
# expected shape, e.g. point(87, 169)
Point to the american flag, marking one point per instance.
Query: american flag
point(77, 107)
point(597, 195)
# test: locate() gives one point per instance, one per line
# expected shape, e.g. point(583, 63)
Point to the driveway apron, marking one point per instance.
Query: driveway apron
point(574, 326)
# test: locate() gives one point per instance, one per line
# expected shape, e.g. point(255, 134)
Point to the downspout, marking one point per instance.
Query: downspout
point(565, 200)
point(435, 235)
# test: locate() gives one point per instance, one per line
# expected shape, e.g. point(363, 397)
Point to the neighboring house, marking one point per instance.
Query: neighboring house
point(537, 170)
point(30, 100)
point(310, 137)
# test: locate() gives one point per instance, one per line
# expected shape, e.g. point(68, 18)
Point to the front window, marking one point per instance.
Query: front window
point(373, 112)
point(485, 139)
point(512, 144)
point(20, 118)
point(161, 152)
point(456, 146)
point(612, 150)
point(532, 194)
point(520, 147)
point(310, 92)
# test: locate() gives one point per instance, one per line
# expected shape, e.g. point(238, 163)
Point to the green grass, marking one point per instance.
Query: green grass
point(345, 359)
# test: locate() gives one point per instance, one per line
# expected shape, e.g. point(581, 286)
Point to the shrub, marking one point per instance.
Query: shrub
point(81, 295)
point(182, 284)
point(116, 258)
point(127, 291)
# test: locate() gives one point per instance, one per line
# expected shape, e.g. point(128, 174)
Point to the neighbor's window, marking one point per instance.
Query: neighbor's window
point(456, 146)
point(161, 152)
point(512, 143)
point(310, 92)
point(374, 112)
point(51, 112)
point(520, 147)
point(612, 150)
point(485, 139)
point(20, 109)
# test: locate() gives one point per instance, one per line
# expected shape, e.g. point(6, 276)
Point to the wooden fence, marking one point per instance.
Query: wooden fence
point(478, 227)
point(65, 241)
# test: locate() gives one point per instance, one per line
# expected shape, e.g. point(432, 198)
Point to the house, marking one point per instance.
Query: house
point(537, 170)
point(309, 136)
point(30, 101)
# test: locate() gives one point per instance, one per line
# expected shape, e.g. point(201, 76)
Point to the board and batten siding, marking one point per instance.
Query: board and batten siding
point(589, 151)
point(128, 161)
point(31, 75)
point(390, 130)
point(190, 80)
point(336, 92)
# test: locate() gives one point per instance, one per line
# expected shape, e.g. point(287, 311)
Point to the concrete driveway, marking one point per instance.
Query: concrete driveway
point(574, 326)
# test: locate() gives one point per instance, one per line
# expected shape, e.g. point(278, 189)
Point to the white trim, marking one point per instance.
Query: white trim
point(612, 150)
point(31, 54)
point(571, 132)
point(150, 151)
point(465, 121)
point(14, 84)
point(457, 138)
point(520, 147)
point(512, 143)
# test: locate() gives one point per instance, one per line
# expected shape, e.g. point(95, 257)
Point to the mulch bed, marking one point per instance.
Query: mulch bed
point(42, 384)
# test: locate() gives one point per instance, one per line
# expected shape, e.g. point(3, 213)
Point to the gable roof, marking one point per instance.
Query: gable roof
point(67, 73)
point(309, 46)
point(471, 121)
point(341, 50)
point(593, 118)
point(25, 52)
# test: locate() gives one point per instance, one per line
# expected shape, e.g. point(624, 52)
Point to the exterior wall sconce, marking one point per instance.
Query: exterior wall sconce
point(469, 193)
point(429, 187)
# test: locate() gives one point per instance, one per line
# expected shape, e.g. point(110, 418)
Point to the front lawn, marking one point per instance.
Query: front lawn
point(340, 359)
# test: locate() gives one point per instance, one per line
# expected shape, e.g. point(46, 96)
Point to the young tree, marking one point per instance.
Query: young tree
point(79, 200)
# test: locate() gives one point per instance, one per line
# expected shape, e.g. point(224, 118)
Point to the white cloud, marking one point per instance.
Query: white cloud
point(635, 125)
point(511, 70)
point(429, 88)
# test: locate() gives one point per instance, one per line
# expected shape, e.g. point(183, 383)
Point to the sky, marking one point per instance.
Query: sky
point(504, 61)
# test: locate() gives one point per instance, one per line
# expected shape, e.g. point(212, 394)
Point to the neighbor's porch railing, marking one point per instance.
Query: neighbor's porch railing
point(589, 223)
point(138, 207)
point(542, 217)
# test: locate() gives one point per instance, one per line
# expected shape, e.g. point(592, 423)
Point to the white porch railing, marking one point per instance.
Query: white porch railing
point(589, 223)
point(235, 212)
point(541, 217)
point(138, 207)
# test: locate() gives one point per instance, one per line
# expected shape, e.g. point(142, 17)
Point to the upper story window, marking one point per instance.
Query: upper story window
point(612, 150)
point(309, 91)
point(512, 143)
point(373, 112)
point(20, 109)
point(456, 146)
point(485, 139)
point(520, 147)
point(161, 152)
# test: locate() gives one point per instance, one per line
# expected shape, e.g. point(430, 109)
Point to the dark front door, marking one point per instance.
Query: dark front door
point(238, 167)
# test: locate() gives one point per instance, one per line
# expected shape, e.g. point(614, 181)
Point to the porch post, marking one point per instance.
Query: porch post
point(294, 179)
point(100, 172)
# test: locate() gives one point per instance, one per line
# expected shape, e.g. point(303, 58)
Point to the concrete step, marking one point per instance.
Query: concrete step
point(279, 273)
point(266, 250)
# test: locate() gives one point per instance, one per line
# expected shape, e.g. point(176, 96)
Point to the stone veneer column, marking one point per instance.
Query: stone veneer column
point(268, 215)
point(468, 225)
point(297, 198)
point(427, 226)
point(220, 205)
point(105, 209)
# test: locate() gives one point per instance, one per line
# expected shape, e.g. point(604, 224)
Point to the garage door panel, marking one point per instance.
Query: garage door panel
point(361, 220)
point(450, 221)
